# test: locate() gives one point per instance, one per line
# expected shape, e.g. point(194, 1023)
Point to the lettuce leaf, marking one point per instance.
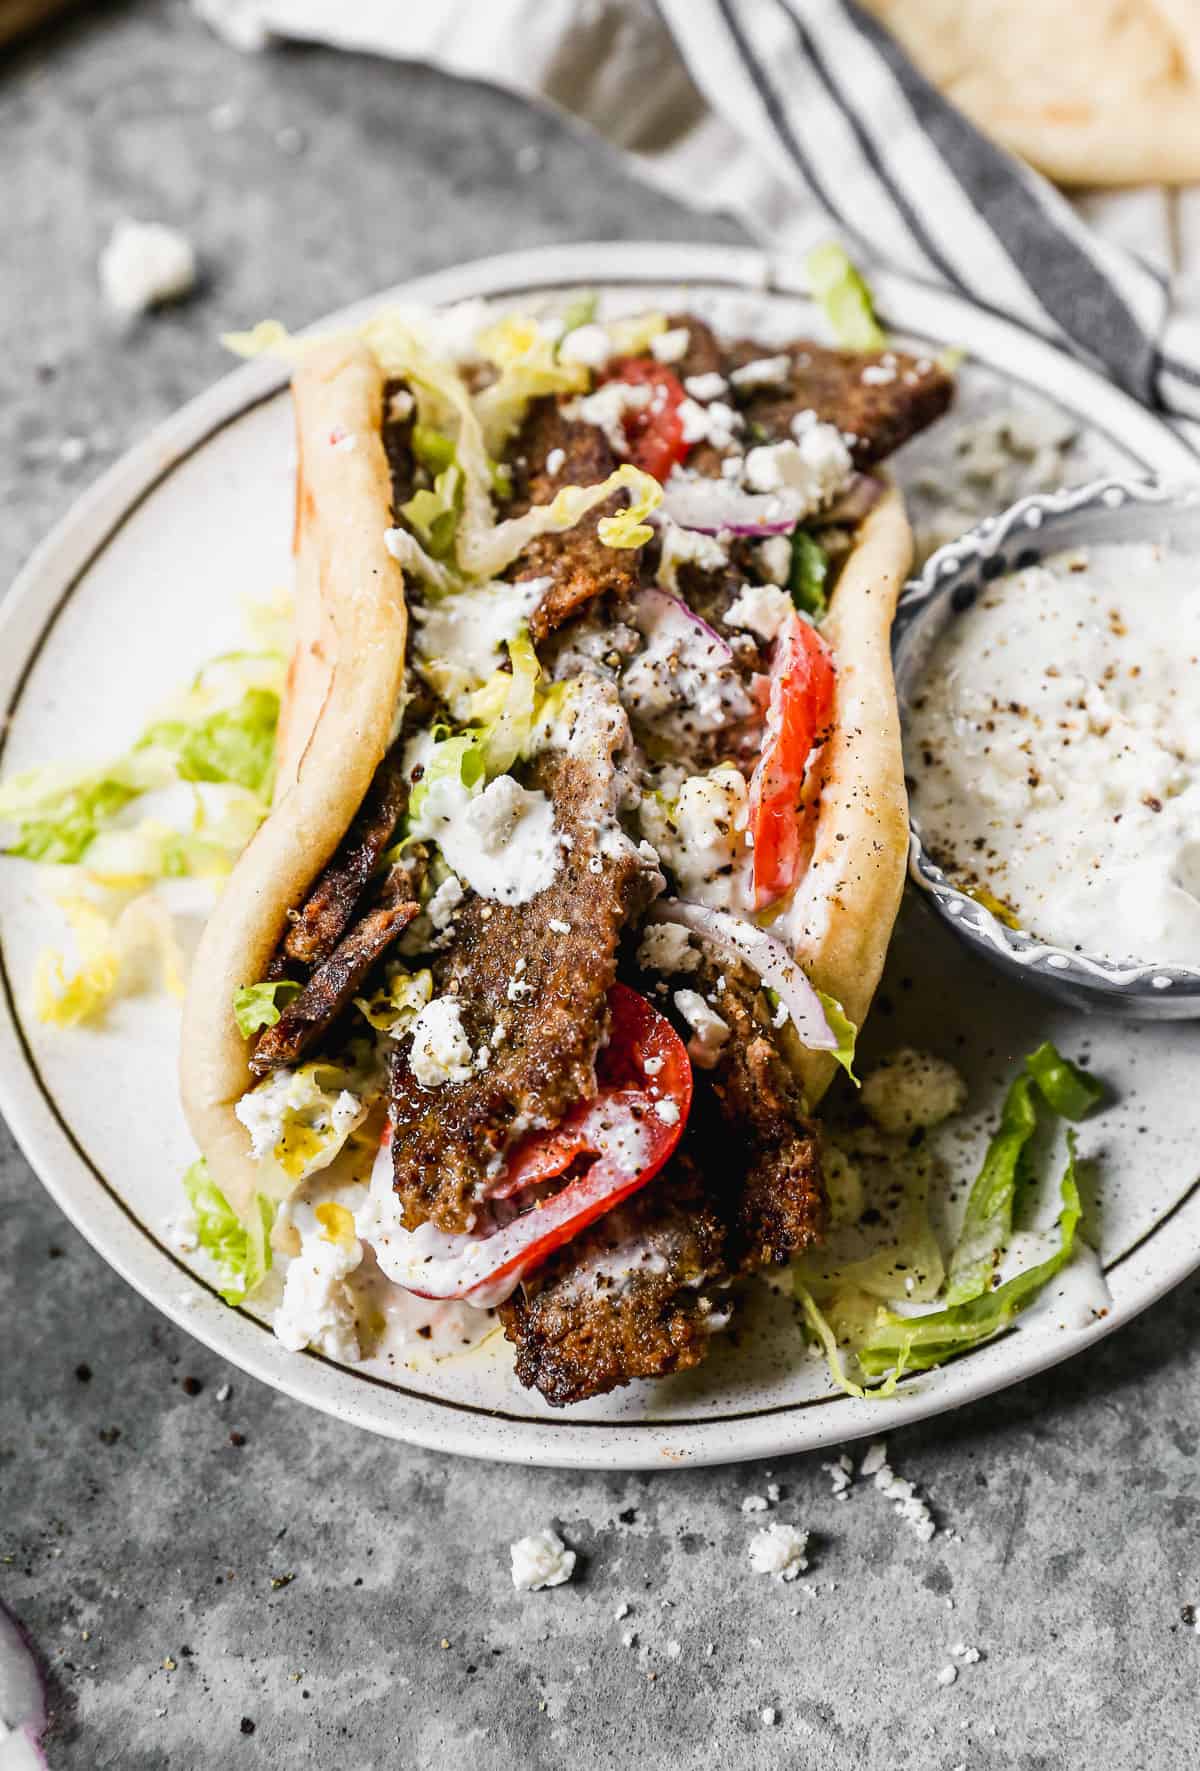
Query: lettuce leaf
point(507, 706)
point(845, 1031)
point(529, 369)
point(234, 744)
point(580, 312)
point(396, 1004)
point(845, 298)
point(628, 528)
point(458, 759)
point(57, 812)
point(109, 949)
point(917, 1343)
point(257, 1005)
point(242, 1252)
point(1067, 1089)
point(809, 570)
point(434, 514)
point(987, 1222)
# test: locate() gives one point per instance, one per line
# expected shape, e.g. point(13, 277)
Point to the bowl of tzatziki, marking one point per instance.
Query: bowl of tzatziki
point(1048, 672)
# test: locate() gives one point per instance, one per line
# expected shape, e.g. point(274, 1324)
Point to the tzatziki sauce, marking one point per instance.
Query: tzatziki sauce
point(1053, 752)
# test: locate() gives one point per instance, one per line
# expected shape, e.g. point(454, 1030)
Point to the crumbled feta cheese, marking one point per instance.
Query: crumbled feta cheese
point(501, 842)
point(763, 372)
point(912, 1089)
point(400, 406)
point(816, 465)
point(607, 407)
point(671, 346)
point(540, 1560)
point(702, 840)
point(754, 1503)
point(182, 1233)
point(445, 901)
point(779, 1550)
point(707, 387)
point(716, 423)
point(687, 547)
point(763, 609)
point(460, 640)
point(622, 1610)
point(144, 264)
point(709, 1030)
point(878, 374)
point(589, 345)
point(769, 1717)
point(290, 1105)
point(317, 1307)
point(875, 1458)
point(666, 947)
point(441, 1051)
point(774, 557)
point(667, 1111)
point(840, 1474)
point(558, 927)
point(947, 1675)
point(554, 460)
point(652, 1066)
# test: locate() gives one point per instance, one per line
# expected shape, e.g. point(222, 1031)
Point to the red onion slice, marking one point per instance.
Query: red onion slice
point(716, 507)
point(765, 955)
point(22, 1700)
point(659, 613)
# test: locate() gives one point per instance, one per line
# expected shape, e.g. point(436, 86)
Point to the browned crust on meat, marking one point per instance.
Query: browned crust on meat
point(580, 1333)
point(776, 1204)
point(547, 990)
point(880, 416)
point(324, 918)
point(577, 561)
point(328, 992)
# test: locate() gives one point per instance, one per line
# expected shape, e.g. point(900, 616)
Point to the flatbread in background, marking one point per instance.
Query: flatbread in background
point(1091, 92)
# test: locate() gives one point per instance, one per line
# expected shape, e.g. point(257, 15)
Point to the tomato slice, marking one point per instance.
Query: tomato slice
point(798, 717)
point(654, 436)
point(629, 1128)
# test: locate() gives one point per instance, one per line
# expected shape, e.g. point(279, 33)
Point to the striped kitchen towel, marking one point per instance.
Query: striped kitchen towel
point(821, 90)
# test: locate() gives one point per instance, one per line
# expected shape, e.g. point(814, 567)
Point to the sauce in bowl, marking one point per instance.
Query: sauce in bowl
point(1053, 751)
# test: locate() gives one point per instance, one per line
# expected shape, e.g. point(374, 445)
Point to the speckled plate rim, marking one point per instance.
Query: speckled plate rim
point(93, 1203)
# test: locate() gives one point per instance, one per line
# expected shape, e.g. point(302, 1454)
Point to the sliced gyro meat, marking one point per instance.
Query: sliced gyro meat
point(328, 992)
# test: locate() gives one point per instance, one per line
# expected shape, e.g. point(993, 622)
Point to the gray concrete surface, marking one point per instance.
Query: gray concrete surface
point(305, 1595)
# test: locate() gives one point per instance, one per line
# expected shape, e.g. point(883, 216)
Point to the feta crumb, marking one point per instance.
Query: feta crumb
point(912, 1089)
point(400, 406)
point(779, 1550)
point(968, 1656)
point(706, 387)
point(839, 1477)
point(878, 374)
point(772, 1491)
point(674, 1650)
point(763, 609)
point(667, 1111)
point(672, 346)
point(769, 1717)
point(875, 1458)
point(224, 1393)
point(763, 372)
point(144, 264)
point(622, 1610)
point(709, 1030)
point(554, 460)
point(540, 1560)
point(558, 927)
point(607, 407)
point(666, 947)
point(774, 557)
point(754, 1503)
point(445, 901)
point(629, 1639)
point(588, 344)
point(947, 1675)
point(816, 464)
point(441, 1051)
point(715, 423)
point(684, 547)
point(652, 1066)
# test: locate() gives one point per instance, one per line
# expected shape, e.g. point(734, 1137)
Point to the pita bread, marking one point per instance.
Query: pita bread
point(1098, 92)
point(346, 675)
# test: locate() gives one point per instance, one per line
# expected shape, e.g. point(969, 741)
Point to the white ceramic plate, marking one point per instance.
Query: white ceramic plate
point(144, 579)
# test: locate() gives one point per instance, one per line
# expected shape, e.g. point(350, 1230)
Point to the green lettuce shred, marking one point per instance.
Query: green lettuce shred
point(580, 312)
point(987, 1222)
point(809, 570)
point(453, 758)
point(845, 298)
point(242, 1252)
point(845, 1031)
point(917, 1343)
point(1067, 1089)
point(434, 514)
point(257, 1005)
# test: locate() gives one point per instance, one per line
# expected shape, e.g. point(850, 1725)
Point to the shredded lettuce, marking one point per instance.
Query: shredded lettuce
point(506, 706)
point(845, 298)
point(242, 1252)
point(845, 1032)
point(458, 759)
point(301, 1119)
point(1067, 1089)
point(257, 1005)
point(809, 571)
point(396, 1004)
point(580, 312)
point(917, 1343)
point(630, 335)
point(529, 368)
point(434, 514)
point(987, 1222)
point(628, 528)
point(433, 451)
point(109, 948)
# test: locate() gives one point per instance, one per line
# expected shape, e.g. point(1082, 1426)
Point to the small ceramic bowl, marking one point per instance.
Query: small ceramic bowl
point(1106, 511)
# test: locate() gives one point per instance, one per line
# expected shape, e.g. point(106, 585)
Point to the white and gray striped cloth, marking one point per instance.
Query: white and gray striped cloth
point(799, 112)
